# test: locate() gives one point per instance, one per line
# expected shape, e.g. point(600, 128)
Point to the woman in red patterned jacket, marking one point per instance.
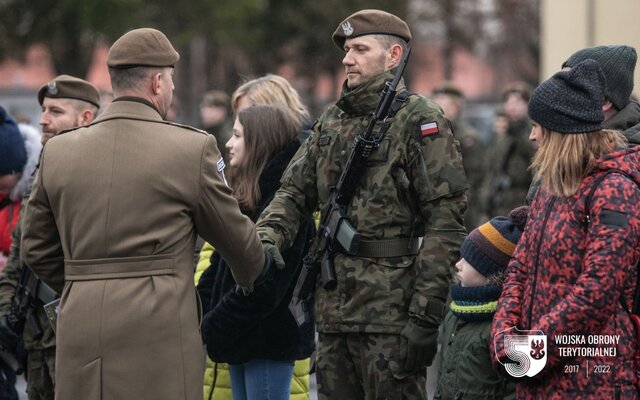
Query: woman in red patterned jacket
point(573, 276)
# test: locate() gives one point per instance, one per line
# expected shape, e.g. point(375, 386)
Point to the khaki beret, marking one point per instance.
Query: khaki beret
point(370, 22)
point(144, 47)
point(69, 87)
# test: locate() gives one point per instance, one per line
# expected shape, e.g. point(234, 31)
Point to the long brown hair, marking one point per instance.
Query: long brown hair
point(564, 160)
point(267, 129)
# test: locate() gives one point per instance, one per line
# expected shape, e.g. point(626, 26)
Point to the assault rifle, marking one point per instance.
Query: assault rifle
point(336, 232)
point(30, 293)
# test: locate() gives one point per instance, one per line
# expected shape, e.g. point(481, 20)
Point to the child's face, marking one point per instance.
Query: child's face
point(469, 276)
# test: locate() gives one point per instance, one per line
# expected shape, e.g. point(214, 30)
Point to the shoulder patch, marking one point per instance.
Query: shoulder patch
point(614, 219)
point(220, 167)
point(428, 129)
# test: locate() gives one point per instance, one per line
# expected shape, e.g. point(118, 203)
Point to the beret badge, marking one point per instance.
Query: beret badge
point(347, 28)
point(51, 88)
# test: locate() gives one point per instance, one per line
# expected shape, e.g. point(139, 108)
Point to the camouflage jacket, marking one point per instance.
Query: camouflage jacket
point(414, 186)
point(9, 278)
point(508, 176)
point(474, 161)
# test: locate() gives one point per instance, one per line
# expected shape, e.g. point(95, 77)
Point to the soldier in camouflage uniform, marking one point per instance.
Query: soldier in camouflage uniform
point(509, 157)
point(67, 102)
point(378, 328)
point(451, 99)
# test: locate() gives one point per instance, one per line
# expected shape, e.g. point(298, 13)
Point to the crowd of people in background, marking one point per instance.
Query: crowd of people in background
point(106, 215)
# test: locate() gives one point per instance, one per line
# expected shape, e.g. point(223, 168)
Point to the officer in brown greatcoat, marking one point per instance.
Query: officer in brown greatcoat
point(112, 222)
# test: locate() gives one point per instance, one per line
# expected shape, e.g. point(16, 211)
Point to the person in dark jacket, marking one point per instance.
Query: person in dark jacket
point(257, 334)
point(466, 371)
point(618, 63)
point(573, 273)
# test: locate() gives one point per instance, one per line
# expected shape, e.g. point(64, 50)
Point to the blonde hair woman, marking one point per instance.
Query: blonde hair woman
point(270, 89)
point(573, 273)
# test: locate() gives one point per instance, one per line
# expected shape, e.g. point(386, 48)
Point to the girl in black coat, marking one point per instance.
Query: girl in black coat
point(256, 334)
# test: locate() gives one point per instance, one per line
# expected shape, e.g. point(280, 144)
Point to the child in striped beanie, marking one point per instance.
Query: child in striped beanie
point(465, 362)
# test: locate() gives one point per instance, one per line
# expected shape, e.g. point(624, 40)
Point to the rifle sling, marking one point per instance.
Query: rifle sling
point(397, 104)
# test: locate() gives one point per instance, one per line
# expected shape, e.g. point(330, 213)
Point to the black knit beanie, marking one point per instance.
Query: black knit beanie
point(570, 101)
point(617, 64)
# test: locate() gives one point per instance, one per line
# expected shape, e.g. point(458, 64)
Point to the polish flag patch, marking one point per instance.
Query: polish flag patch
point(429, 128)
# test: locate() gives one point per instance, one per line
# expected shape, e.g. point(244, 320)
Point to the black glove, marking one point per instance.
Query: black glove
point(418, 345)
point(273, 258)
point(8, 337)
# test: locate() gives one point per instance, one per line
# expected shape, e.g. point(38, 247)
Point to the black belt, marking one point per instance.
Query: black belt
point(384, 248)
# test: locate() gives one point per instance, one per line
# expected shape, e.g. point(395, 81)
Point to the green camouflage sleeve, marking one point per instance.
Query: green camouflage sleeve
point(439, 181)
point(296, 198)
point(10, 275)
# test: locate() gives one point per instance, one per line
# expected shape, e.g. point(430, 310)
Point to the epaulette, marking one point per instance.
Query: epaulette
point(99, 120)
point(71, 129)
point(189, 127)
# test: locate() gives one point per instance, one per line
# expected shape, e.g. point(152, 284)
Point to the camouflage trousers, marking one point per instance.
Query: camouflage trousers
point(364, 366)
point(40, 374)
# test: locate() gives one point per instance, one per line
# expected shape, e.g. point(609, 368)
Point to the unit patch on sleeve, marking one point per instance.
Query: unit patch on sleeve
point(220, 165)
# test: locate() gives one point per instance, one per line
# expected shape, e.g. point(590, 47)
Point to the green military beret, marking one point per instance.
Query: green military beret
point(69, 87)
point(370, 22)
point(144, 47)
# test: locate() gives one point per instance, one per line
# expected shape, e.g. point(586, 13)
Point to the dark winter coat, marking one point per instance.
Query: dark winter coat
point(465, 370)
point(627, 120)
point(238, 328)
point(570, 277)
